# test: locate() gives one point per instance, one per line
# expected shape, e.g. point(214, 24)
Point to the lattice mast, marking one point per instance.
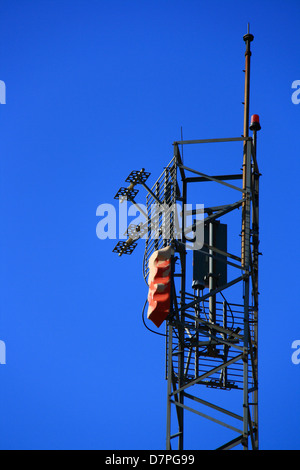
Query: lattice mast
point(210, 340)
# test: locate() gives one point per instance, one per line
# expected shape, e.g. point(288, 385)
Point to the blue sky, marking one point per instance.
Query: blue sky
point(95, 89)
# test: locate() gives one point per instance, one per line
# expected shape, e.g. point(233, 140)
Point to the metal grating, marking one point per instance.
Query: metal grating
point(124, 248)
point(161, 229)
point(199, 361)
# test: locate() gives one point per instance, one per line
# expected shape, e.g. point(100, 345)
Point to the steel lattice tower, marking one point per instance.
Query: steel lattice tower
point(210, 340)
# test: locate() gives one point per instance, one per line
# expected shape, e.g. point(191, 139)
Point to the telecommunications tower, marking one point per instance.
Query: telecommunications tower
point(203, 285)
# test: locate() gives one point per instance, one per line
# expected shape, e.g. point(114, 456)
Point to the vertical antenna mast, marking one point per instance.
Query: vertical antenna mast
point(248, 38)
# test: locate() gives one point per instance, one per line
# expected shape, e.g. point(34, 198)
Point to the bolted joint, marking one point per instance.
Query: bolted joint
point(244, 442)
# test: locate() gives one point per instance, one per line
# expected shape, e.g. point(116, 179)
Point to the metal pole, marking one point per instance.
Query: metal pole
point(169, 386)
point(245, 248)
point(255, 228)
point(247, 38)
point(225, 348)
point(169, 332)
point(211, 280)
point(179, 398)
point(246, 296)
point(157, 188)
point(181, 330)
point(197, 310)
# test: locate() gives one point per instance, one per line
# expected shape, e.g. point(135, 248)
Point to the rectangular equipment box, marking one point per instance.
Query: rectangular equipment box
point(200, 258)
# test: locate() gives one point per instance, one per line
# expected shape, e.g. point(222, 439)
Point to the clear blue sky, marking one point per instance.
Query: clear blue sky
point(96, 89)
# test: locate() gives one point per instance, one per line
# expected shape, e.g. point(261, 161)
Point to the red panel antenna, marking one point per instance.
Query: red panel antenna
point(159, 281)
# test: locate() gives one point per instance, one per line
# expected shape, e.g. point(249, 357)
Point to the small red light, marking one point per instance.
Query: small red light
point(255, 125)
